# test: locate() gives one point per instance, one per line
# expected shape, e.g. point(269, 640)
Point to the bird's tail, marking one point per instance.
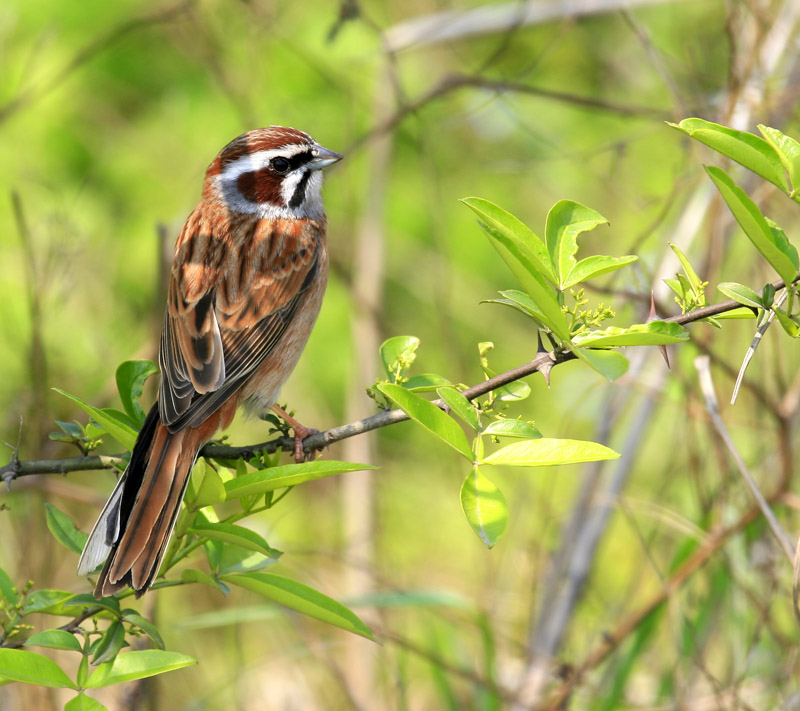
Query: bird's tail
point(135, 525)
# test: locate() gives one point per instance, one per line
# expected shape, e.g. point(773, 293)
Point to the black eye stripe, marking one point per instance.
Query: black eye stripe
point(300, 191)
point(296, 160)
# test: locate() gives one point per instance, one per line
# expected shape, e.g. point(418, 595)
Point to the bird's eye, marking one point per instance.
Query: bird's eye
point(279, 165)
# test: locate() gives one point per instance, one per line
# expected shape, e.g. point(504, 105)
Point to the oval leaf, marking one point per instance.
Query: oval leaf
point(301, 598)
point(565, 221)
point(82, 702)
point(484, 506)
point(263, 480)
point(653, 333)
point(238, 535)
point(548, 452)
point(63, 529)
point(55, 639)
point(747, 149)
point(781, 256)
point(397, 354)
point(595, 266)
point(741, 293)
point(131, 375)
point(32, 668)
point(609, 364)
point(120, 431)
point(512, 428)
point(425, 382)
point(137, 665)
point(459, 405)
point(212, 489)
point(429, 416)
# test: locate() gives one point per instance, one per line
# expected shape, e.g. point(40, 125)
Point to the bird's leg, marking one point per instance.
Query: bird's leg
point(300, 433)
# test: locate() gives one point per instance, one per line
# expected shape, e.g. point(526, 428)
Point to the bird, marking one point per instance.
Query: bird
point(245, 288)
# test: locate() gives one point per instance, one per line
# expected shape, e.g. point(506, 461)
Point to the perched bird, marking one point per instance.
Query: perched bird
point(247, 280)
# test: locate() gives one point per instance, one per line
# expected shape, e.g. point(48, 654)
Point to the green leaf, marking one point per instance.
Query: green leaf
point(592, 267)
point(429, 416)
point(193, 575)
point(546, 452)
point(279, 477)
point(512, 428)
point(134, 618)
point(7, 589)
point(565, 221)
point(653, 333)
point(301, 598)
point(131, 375)
point(45, 601)
point(63, 529)
point(425, 382)
point(397, 354)
point(76, 603)
point(741, 293)
point(238, 535)
point(212, 489)
point(695, 281)
point(518, 232)
point(779, 253)
point(788, 323)
point(747, 149)
point(484, 506)
point(55, 639)
point(110, 644)
point(83, 703)
point(123, 433)
point(609, 364)
point(520, 301)
point(460, 406)
point(137, 665)
point(32, 668)
point(527, 258)
point(788, 151)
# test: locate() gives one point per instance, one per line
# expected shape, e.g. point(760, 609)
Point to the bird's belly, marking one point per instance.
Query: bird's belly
point(262, 388)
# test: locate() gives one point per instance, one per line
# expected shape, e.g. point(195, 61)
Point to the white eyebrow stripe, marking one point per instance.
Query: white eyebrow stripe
point(252, 162)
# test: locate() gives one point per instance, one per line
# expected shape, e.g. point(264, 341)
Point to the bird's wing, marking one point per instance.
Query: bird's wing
point(229, 302)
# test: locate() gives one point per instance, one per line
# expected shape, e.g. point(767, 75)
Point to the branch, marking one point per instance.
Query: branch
point(542, 363)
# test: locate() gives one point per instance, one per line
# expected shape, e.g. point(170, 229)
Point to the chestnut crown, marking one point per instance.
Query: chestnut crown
point(270, 172)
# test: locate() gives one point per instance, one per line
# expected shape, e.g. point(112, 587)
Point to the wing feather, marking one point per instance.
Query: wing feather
point(229, 303)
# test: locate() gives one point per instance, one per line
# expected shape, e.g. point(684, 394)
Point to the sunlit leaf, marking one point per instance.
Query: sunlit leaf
point(82, 702)
point(123, 433)
point(776, 250)
point(653, 333)
point(238, 535)
point(137, 665)
point(751, 151)
point(788, 151)
point(263, 480)
point(741, 293)
point(55, 639)
point(459, 405)
point(429, 416)
point(131, 375)
point(63, 529)
point(595, 266)
point(397, 354)
point(610, 364)
point(565, 221)
point(301, 598)
point(32, 668)
point(512, 428)
point(484, 506)
point(547, 452)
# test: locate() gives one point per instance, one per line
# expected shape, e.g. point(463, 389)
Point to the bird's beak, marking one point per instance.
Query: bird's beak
point(323, 158)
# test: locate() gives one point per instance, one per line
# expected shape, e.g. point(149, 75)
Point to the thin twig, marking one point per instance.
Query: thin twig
point(701, 363)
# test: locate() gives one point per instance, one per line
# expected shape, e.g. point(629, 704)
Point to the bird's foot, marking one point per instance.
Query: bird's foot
point(300, 433)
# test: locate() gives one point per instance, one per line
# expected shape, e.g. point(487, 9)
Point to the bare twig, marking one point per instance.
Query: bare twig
point(701, 363)
point(542, 363)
